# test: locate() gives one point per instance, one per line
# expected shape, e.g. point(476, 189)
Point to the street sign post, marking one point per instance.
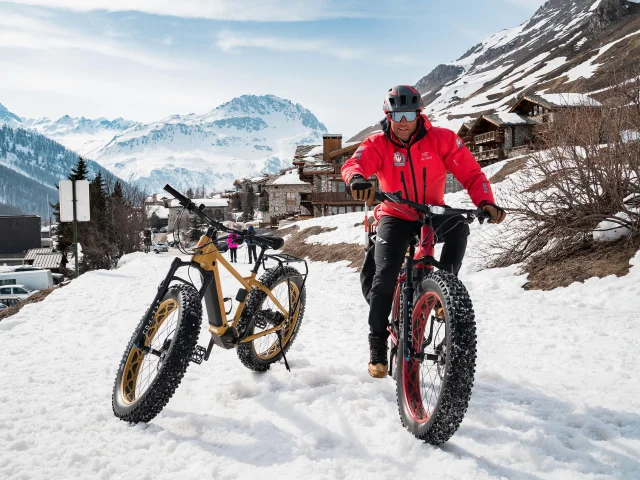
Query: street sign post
point(74, 207)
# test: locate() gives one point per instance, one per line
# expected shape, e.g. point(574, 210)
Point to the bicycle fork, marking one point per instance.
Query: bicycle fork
point(407, 307)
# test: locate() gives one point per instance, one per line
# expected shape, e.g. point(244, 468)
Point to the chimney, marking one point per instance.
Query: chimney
point(330, 143)
point(155, 198)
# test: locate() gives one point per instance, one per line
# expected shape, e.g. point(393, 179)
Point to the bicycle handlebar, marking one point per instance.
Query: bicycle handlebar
point(431, 209)
point(242, 234)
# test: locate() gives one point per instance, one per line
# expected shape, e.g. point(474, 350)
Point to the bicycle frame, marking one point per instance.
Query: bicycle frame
point(206, 259)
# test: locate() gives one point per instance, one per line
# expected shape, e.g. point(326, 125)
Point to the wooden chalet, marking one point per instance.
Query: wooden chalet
point(496, 136)
point(544, 108)
point(321, 165)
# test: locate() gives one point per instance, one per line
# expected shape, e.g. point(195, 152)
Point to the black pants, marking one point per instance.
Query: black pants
point(234, 254)
point(252, 251)
point(383, 260)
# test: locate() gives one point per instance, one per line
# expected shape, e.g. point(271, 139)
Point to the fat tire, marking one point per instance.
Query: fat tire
point(270, 279)
point(164, 385)
point(455, 393)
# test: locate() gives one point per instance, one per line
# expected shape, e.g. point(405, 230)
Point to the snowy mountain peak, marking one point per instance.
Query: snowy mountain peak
point(245, 136)
point(6, 117)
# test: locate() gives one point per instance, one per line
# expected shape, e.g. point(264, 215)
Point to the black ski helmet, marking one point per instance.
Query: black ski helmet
point(402, 98)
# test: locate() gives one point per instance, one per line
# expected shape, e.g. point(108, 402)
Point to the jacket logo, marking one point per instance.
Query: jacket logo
point(358, 153)
point(398, 159)
point(426, 156)
point(459, 142)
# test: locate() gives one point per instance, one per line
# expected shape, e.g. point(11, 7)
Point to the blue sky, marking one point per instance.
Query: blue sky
point(147, 59)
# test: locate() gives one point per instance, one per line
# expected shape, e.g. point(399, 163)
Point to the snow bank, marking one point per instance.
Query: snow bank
point(129, 257)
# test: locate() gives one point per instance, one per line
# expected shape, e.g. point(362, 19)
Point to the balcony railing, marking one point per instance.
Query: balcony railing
point(332, 197)
point(489, 154)
point(496, 136)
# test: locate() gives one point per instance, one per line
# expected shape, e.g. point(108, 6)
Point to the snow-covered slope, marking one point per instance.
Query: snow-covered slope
point(567, 46)
point(31, 166)
point(555, 394)
point(245, 136)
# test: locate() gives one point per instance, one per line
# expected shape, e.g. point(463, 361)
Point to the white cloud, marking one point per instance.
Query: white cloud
point(229, 41)
point(19, 31)
point(234, 10)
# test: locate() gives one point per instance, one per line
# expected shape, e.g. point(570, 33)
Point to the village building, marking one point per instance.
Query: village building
point(283, 195)
point(256, 185)
point(320, 166)
point(496, 136)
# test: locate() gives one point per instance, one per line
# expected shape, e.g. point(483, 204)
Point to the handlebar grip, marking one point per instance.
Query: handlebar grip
point(181, 198)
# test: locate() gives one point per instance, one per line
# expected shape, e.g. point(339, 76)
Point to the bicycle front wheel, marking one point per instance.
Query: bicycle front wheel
point(434, 388)
point(150, 373)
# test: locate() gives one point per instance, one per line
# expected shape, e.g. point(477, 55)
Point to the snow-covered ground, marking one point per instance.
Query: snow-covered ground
point(556, 392)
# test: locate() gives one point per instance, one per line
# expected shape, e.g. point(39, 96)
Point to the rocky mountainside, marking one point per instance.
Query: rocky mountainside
point(567, 46)
point(245, 136)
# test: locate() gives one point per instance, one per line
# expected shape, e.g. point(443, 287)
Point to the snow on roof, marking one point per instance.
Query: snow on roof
point(208, 202)
point(315, 151)
point(290, 178)
point(160, 210)
point(506, 118)
point(569, 99)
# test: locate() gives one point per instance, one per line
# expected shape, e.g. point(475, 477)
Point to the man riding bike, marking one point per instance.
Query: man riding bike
point(412, 156)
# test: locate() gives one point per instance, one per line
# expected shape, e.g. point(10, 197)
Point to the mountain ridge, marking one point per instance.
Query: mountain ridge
point(573, 46)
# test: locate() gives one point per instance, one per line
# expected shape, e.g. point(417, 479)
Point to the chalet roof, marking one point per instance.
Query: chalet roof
point(558, 100)
point(465, 127)
point(48, 260)
point(507, 118)
point(352, 147)
point(32, 252)
point(290, 178)
point(302, 151)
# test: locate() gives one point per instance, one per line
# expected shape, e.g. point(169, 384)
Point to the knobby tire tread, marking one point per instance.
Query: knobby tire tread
point(175, 364)
point(245, 350)
point(454, 400)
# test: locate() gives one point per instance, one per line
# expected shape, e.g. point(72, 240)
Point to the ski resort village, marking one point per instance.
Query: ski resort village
point(361, 240)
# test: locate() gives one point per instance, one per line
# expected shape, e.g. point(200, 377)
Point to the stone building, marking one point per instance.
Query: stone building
point(284, 195)
point(321, 166)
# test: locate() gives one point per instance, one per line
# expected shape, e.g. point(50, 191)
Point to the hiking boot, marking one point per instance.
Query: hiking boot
point(378, 355)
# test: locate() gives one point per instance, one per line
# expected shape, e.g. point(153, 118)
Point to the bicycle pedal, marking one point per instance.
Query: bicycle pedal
point(198, 354)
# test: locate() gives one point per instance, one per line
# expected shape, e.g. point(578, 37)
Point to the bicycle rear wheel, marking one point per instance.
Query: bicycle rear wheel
point(434, 390)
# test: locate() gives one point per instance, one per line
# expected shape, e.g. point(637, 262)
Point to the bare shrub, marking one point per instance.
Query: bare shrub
point(588, 164)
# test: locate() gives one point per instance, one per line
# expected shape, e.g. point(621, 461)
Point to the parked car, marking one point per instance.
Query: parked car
point(162, 230)
point(15, 292)
point(31, 278)
point(158, 247)
point(3, 307)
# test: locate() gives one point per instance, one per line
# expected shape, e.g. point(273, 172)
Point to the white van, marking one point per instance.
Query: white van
point(13, 293)
point(31, 279)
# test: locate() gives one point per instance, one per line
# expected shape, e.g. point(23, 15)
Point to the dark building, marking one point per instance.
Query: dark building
point(19, 233)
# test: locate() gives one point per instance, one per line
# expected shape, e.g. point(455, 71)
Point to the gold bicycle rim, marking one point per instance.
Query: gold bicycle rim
point(136, 355)
point(287, 330)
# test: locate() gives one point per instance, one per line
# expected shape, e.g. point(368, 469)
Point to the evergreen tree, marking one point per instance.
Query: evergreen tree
point(236, 202)
point(80, 171)
point(190, 193)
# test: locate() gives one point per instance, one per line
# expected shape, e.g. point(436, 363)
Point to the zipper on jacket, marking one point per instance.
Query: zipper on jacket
point(413, 174)
point(424, 185)
point(404, 184)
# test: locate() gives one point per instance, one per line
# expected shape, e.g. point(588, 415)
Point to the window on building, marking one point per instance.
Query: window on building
point(290, 201)
point(337, 186)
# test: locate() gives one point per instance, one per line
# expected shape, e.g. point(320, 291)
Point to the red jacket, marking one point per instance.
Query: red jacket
point(419, 170)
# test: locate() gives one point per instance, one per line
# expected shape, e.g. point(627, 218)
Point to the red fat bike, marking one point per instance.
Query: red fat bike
point(432, 332)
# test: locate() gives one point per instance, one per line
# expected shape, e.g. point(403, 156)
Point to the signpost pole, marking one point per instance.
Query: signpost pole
point(75, 226)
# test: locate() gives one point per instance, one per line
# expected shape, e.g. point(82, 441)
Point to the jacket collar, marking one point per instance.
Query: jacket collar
point(423, 129)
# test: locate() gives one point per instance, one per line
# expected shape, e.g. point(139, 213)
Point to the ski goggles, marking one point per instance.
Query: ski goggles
point(408, 116)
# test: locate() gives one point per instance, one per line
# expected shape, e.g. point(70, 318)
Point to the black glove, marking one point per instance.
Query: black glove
point(362, 190)
point(497, 214)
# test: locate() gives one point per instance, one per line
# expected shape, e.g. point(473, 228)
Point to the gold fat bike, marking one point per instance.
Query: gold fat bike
point(264, 326)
